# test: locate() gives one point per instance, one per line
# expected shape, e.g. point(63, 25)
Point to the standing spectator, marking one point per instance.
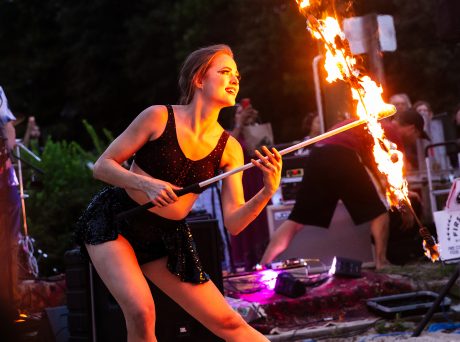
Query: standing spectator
point(10, 205)
point(424, 109)
point(311, 127)
point(248, 246)
point(455, 153)
point(401, 101)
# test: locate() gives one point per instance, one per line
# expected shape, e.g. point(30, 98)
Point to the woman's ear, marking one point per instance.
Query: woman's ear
point(198, 82)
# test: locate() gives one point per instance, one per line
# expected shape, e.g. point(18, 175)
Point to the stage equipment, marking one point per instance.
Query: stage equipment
point(26, 241)
point(54, 325)
point(405, 304)
point(345, 267)
point(287, 285)
point(194, 187)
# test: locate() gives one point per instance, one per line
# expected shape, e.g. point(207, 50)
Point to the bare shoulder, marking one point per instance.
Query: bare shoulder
point(153, 114)
point(152, 120)
point(233, 154)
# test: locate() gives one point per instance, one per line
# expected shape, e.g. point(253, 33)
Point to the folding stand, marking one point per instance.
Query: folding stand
point(26, 241)
point(437, 302)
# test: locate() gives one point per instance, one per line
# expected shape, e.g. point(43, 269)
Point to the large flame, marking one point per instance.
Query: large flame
point(341, 65)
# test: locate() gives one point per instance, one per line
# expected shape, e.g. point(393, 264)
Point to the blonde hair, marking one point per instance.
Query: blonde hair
point(195, 67)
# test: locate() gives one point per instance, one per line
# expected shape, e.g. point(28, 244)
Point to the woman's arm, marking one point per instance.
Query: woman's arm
point(237, 213)
point(147, 126)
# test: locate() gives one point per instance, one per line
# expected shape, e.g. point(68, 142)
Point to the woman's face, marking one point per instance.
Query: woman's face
point(221, 81)
point(400, 103)
point(424, 111)
point(315, 127)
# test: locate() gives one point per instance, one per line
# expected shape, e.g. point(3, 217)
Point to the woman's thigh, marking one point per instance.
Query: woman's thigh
point(116, 264)
point(203, 301)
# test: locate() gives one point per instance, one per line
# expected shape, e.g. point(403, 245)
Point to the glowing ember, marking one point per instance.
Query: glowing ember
point(341, 65)
point(303, 3)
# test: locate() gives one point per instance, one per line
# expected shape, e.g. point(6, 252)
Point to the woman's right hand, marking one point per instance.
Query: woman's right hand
point(159, 192)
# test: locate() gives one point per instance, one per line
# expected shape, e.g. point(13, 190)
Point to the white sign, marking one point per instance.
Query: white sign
point(448, 225)
point(448, 229)
point(357, 37)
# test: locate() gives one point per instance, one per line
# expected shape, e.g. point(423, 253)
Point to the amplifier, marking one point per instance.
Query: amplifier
point(289, 188)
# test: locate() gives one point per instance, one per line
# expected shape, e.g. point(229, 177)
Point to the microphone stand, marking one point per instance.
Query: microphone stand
point(26, 241)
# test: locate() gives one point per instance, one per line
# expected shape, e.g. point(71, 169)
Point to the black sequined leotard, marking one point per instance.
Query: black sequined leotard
point(163, 158)
point(152, 236)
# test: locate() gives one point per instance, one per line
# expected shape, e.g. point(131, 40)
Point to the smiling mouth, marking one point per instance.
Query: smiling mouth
point(231, 91)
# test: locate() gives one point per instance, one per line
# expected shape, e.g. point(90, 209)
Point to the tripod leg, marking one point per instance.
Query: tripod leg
point(437, 302)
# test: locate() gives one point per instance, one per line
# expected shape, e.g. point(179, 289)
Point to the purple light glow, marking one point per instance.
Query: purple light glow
point(268, 277)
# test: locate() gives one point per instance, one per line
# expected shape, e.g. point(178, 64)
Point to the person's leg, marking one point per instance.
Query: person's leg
point(280, 240)
point(380, 227)
point(315, 201)
point(116, 264)
point(204, 302)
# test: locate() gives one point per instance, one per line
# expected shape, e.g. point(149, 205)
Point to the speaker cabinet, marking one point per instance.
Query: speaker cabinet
point(54, 325)
point(94, 315)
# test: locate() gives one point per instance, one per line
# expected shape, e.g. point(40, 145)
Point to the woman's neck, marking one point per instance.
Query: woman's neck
point(200, 116)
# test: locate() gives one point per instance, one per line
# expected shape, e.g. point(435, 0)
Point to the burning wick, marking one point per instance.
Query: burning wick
point(429, 243)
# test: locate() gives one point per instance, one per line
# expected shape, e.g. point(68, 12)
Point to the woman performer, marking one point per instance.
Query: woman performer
point(174, 146)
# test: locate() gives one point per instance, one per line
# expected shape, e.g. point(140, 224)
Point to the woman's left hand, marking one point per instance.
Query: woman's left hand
point(270, 165)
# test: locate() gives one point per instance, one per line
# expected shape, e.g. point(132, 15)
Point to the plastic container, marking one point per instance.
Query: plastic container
point(406, 304)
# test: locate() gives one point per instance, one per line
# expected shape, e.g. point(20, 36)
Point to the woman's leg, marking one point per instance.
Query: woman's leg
point(116, 264)
point(204, 302)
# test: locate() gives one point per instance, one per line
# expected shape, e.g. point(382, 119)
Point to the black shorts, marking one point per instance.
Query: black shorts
point(151, 236)
point(333, 173)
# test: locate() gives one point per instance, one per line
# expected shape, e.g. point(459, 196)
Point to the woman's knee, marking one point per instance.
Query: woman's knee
point(141, 318)
point(229, 322)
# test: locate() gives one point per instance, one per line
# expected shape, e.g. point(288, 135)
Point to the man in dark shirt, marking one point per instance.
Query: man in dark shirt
point(343, 168)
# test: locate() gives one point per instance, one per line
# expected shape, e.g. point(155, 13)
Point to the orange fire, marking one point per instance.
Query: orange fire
point(341, 65)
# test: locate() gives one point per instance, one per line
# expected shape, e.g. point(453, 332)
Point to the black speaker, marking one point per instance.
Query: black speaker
point(105, 321)
point(54, 325)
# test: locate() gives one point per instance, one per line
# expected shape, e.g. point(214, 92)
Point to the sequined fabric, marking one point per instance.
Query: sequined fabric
point(163, 158)
point(151, 236)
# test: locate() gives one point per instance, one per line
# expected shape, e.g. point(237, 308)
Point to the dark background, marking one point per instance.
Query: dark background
point(106, 60)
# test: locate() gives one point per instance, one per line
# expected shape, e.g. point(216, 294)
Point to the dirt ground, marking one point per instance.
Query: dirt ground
point(426, 276)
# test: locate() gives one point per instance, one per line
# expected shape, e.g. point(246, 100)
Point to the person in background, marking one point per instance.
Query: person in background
point(401, 101)
point(174, 146)
point(456, 121)
point(311, 127)
point(343, 168)
point(10, 209)
point(424, 109)
point(32, 134)
point(248, 246)
point(454, 155)
point(30, 131)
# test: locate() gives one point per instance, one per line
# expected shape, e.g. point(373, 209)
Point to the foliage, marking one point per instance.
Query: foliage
point(63, 60)
point(65, 189)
